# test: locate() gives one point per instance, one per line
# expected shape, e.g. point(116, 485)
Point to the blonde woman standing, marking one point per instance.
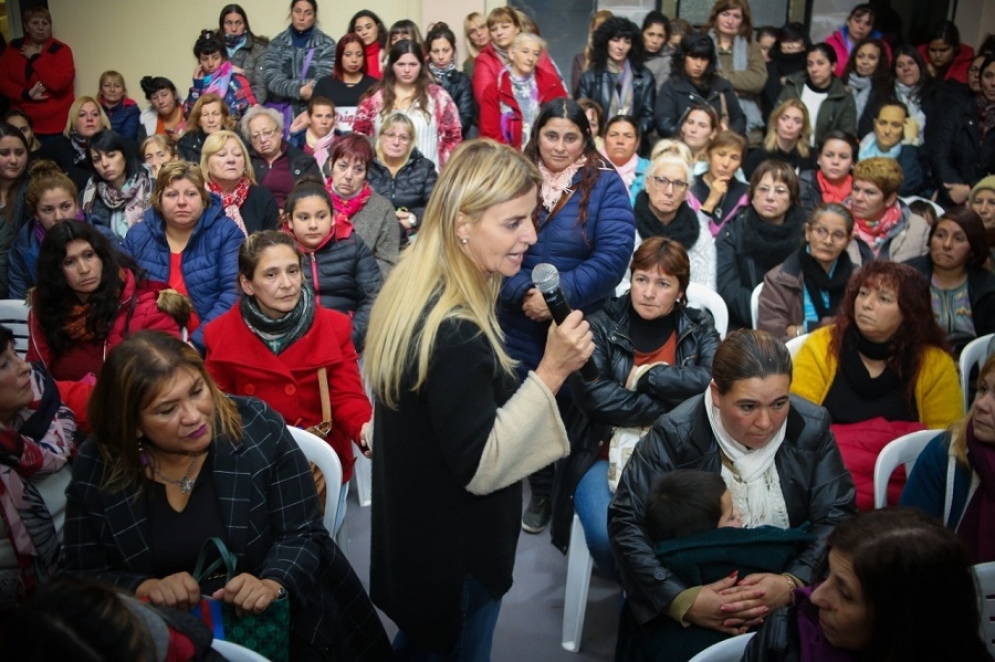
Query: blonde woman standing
point(447, 459)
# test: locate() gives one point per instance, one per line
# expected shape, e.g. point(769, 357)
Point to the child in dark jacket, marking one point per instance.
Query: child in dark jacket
point(699, 537)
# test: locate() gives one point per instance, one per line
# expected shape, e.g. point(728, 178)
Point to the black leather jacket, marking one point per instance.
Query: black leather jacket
point(677, 94)
point(460, 88)
point(599, 84)
point(606, 403)
point(816, 485)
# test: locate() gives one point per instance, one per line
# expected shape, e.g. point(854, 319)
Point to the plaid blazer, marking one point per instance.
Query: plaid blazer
point(269, 506)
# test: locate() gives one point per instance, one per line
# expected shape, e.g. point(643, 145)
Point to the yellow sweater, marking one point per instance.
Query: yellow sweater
point(938, 395)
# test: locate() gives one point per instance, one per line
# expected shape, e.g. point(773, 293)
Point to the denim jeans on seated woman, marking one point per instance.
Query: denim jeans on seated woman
point(591, 503)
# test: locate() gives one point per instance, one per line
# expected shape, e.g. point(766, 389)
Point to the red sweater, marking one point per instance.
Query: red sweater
point(242, 364)
point(54, 68)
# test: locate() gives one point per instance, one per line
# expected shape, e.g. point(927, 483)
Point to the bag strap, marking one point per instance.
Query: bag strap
point(561, 203)
point(225, 559)
point(307, 63)
point(725, 108)
point(326, 401)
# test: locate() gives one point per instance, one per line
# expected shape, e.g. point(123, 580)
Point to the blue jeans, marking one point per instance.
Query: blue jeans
point(591, 502)
point(479, 612)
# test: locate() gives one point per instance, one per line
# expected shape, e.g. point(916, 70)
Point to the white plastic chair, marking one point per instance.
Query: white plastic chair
point(755, 304)
point(706, 298)
point(795, 345)
point(318, 451)
point(14, 316)
point(973, 354)
point(235, 653)
point(727, 650)
point(579, 566)
point(985, 572)
point(903, 450)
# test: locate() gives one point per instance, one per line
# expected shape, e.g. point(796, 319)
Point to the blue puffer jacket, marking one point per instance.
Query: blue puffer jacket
point(24, 256)
point(210, 260)
point(590, 263)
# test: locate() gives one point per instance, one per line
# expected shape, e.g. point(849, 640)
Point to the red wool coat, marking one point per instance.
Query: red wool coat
point(242, 364)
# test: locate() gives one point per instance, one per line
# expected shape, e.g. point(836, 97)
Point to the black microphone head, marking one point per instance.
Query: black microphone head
point(545, 277)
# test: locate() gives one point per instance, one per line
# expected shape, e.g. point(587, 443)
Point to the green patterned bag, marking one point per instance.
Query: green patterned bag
point(267, 633)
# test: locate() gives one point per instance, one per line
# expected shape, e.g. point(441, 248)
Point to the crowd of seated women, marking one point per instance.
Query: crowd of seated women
point(206, 268)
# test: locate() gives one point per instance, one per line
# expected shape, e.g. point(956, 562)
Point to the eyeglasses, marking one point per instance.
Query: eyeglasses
point(821, 233)
point(664, 183)
point(262, 135)
point(779, 191)
point(399, 137)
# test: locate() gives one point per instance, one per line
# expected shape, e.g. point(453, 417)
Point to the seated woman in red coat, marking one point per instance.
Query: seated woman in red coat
point(512, 101)
point(291, 341)
point(89, 298)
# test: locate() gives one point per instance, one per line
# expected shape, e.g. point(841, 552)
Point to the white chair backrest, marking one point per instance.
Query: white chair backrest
point(795, 344)
point(727, 650)
point(318, 451)
point(973, 354)
point(14, 316)
point(235, 653)
point(755, 304)
point(702, 297)
point(903, 450)
point(985, 572)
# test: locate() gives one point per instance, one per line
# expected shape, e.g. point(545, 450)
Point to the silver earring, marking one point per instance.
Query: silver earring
point(463, 240)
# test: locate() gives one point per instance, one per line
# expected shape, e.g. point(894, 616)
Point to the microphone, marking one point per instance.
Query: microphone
point(547, 280)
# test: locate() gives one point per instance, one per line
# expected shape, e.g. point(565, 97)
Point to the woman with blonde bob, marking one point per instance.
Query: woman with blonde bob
point(209, 114)
point(454, 433)
point(70, 150)
point(789, 134)
point(225, 161)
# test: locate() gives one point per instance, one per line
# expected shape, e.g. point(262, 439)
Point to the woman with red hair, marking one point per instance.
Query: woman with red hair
point(884, 357)
point(348, 81)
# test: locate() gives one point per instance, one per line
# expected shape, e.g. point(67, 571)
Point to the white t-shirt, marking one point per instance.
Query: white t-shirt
point(813, 101)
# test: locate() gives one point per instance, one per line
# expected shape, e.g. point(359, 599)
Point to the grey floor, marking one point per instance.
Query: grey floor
point(532, 612)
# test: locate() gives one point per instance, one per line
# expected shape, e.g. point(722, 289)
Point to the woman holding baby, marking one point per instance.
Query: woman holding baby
point(779, 460)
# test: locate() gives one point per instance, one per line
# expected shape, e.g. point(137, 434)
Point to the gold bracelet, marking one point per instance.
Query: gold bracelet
point(792, 587)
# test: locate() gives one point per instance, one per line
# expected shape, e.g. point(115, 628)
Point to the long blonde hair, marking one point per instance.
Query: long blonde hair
point(804, 138)
point(435, 279)
point(958, 429)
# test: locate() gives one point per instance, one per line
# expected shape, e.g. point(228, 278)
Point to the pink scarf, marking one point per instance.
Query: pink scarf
point(319, 147)
point(555, 184)
point(627, 171)
point(346, 209)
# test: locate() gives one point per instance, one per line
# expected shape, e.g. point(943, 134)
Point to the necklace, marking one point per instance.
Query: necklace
point(186, 483)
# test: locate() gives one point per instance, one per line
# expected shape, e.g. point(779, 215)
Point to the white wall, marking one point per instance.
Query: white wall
point(151, 37)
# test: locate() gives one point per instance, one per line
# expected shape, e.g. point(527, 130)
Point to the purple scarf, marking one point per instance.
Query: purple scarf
point(977, 527)
point(814, 647)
